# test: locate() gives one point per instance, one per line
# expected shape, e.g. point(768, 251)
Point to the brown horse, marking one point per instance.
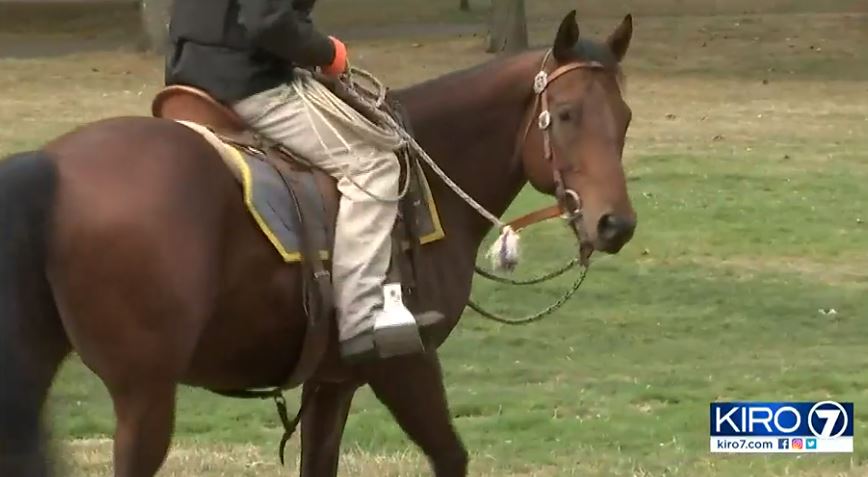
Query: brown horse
point(127, 241)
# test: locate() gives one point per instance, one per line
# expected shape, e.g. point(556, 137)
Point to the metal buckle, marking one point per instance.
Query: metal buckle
point(572, 215)
point(544, 120)
point(540, 82)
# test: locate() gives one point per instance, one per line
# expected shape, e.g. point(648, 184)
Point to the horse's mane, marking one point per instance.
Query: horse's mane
point(585, 50)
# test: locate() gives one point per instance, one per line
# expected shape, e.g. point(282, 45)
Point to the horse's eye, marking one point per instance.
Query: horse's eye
point(568, 114)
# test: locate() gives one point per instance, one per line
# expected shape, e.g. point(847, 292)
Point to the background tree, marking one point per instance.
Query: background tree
point(155, 23)
point(507, 31)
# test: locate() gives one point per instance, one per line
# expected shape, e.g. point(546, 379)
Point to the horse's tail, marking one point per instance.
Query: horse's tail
point(32, 340)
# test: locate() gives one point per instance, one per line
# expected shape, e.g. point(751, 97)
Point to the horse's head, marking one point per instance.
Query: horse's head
point(573, 148)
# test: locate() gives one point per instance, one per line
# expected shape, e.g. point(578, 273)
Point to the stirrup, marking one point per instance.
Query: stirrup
point(395, 329)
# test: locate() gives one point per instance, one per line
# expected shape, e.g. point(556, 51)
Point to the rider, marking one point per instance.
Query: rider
point(249, 55)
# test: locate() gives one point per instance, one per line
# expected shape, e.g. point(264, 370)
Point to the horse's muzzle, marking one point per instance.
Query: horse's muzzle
point(614, 231)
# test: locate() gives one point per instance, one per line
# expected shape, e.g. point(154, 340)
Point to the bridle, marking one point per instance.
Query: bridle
point(569, 202)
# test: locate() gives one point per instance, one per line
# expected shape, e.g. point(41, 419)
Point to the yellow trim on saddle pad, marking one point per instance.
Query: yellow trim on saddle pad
point(247, 181)
point(233, 158)
point(438, 232)
point(239, 167)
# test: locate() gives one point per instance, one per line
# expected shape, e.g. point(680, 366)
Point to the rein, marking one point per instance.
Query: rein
point(568, 206)
point(535, 316)
point(534, 217)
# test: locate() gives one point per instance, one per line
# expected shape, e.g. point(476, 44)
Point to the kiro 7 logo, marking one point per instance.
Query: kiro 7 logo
point(832, 415)
point(827, 419)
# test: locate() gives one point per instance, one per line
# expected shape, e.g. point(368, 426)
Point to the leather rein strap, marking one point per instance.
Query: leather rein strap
point(535, 217)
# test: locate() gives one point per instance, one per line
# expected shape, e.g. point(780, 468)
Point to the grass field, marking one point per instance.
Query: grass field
point(748, 168)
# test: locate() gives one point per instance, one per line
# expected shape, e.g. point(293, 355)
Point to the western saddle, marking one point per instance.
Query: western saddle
point(186, 103)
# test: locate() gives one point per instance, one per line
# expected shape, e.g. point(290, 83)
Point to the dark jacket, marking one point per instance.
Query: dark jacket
point(236, 48)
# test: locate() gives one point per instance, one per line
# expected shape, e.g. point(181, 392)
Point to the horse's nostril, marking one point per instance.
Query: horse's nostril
point(607, 227)
point(613, 228)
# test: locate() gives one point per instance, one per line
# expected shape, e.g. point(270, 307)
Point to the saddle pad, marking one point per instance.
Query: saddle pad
point(273, 208)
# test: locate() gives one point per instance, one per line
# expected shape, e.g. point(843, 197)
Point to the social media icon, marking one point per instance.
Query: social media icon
point(797, 443)
point(811, 443)
point(783, 443)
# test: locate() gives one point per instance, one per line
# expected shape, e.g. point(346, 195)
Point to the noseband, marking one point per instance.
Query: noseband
point(569, 201)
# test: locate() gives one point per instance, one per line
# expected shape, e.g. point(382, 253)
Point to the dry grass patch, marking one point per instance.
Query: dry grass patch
point(849, 272)
point(692, 114)
point(93, 457)
point(712, 464)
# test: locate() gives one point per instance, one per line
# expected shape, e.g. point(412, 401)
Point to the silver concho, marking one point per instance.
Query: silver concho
point(540, 82)
point(544, 120)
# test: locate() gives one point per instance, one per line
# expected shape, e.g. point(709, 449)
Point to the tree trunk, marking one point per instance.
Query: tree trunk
point(464, 6)
point(508, 27)
point(155, 24)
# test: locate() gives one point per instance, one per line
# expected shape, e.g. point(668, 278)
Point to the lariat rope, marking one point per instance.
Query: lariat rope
point(388, 133)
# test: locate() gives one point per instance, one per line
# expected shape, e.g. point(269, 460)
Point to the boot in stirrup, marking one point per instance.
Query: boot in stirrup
point(396, 330)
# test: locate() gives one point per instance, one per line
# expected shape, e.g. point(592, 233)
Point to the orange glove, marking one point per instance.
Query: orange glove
point(339, 64)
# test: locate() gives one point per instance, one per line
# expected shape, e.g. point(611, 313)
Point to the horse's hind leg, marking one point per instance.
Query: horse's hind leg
point(140, 355)
point(412, 389)
point(138, 334)
point(145, 418)
point(140, 359)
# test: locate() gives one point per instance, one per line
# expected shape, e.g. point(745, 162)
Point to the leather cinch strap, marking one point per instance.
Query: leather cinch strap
point(319, 294)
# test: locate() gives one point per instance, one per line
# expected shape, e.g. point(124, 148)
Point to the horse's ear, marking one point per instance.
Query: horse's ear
point(619, 40)
point(568, 36)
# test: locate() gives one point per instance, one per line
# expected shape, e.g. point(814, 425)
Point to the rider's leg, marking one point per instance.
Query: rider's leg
point(363, 246)
point(362, 242)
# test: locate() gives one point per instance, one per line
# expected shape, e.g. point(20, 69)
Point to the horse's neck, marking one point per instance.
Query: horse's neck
point(468, 123)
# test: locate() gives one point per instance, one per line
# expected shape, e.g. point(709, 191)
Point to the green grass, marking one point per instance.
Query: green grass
point(751, 201)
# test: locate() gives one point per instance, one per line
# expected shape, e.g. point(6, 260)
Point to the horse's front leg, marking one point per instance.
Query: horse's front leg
point(322, 426)
point(412, 388)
